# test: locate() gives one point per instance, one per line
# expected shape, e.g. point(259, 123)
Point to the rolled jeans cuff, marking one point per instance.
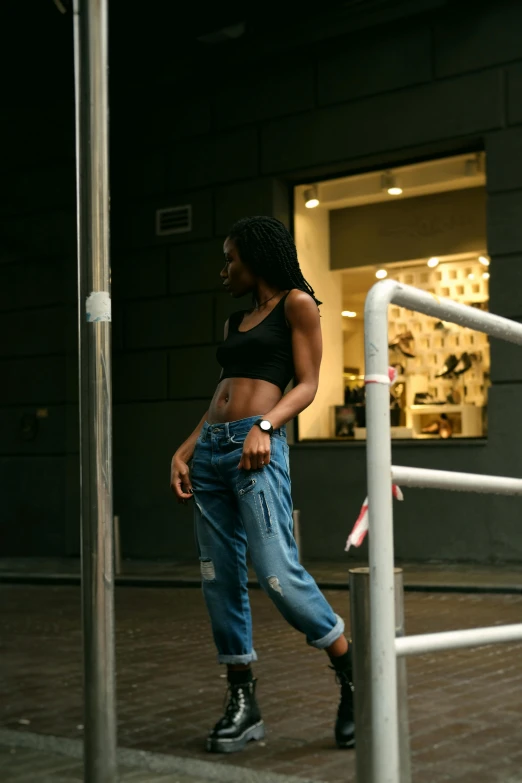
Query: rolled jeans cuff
point(238, 659)
point(335, 633)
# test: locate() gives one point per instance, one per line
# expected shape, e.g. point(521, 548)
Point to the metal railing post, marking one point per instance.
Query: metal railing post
point(384, 648)
point(117, 546)
point(360, 629)
point(94, 316)
point(296, 515)
point(385, 726)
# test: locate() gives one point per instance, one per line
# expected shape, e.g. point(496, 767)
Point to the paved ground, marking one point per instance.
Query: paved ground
point(422, 576)
point(465, 706)
point(27, 765)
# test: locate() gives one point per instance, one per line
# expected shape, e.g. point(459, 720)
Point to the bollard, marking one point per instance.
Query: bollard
point(117, 546)
point(297, 532)
point(360, 621)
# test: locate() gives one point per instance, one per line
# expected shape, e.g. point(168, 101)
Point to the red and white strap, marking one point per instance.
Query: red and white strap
point(361, 526)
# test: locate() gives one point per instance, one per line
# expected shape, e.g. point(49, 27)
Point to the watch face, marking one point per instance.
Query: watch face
point(265, 425)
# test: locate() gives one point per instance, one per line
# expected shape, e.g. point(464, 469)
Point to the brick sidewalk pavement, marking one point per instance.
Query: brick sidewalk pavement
point(465, 706)
point(27, 765)
point(464, 577)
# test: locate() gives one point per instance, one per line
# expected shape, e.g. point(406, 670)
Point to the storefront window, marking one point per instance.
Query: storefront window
point(422, 225)
point(442, 369)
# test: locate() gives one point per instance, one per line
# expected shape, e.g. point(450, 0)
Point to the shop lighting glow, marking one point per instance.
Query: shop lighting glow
point(390, 184)
point(433, 262)
point(485, 275)
point(471, 276)
point(484, 261)
point(348, 313)
point(381, 274)
point(311, 199)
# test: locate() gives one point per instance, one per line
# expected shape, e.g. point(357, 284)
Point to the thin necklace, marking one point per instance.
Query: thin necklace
point(260, 304)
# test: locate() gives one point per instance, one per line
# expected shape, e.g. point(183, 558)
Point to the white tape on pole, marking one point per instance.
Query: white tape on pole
point(377, 379)
point(98, 306)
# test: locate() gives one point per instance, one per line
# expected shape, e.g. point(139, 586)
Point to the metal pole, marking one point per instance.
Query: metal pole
point(385, 728)
point(456, 482)
point(456, 640)
point(92, 177)
point(117, 546)
point(385, 734)
point(297, 531)
point(447, 310)
point(361, 645)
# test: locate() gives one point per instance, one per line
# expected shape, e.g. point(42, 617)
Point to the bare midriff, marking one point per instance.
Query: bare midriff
point(240, 398)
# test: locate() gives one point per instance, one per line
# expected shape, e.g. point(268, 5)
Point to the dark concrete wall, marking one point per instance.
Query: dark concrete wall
point(232, 142)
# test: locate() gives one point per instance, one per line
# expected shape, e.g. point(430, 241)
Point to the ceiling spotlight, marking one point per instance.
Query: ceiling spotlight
point(348, 313)
point(381, 274)
point(310, 198)
point(484, 261)
point(485, 275)
point(390, 184)
point(433, 262)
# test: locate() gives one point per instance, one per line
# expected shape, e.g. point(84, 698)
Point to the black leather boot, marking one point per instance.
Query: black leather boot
point(345, 723)
point(241, 722)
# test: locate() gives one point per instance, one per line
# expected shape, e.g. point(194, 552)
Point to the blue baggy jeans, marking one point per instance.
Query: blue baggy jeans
point(236, 510)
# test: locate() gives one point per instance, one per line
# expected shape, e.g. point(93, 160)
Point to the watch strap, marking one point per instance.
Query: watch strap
point(268, 431)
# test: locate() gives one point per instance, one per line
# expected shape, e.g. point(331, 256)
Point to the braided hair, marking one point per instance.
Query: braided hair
point(266, 246)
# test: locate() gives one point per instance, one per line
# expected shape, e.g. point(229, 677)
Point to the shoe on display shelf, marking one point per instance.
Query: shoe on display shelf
point(449, 366)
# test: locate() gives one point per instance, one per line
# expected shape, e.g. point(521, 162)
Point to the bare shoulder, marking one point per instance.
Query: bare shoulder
point(300, 308)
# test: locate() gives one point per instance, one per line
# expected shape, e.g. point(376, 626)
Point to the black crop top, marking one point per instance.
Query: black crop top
point(263, 352)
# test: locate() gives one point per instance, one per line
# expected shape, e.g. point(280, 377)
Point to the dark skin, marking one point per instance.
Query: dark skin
point(240, 398)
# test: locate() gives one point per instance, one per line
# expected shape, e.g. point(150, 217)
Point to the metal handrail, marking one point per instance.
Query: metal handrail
point(384, 646)
point(458, 482)
point(456, 640)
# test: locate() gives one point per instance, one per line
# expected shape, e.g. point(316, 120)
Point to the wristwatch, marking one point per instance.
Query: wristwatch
point(265, 425)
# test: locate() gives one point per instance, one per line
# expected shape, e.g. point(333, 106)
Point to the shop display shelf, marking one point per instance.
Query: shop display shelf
point(470, 418)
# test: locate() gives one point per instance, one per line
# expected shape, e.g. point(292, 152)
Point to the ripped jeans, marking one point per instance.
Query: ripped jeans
point(239, 509)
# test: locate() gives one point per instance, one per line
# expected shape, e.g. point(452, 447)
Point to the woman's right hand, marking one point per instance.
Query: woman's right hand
point(180, 482)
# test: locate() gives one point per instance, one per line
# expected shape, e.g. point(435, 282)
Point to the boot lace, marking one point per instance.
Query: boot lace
point(345, 710)
point(343, 679)
point(234, 702)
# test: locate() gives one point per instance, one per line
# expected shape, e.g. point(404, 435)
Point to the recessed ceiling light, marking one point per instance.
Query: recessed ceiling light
point(381, 274)
point(349, 313)
point(433, 262)
point(484, 261)
point(311, 198)
point(485, 275)
point(390, 184)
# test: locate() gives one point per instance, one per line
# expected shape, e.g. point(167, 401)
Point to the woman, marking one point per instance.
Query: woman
point(240, 473)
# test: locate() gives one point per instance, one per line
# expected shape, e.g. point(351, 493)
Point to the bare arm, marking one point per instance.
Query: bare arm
point(303, 316)
point(180, 482)
point(224, 338)
point(186, 450)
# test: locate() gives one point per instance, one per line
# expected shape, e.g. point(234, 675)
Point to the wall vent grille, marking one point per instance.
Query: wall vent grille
point(174, 220)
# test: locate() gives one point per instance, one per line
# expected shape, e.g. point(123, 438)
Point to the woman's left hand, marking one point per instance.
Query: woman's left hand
point(256, 450)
